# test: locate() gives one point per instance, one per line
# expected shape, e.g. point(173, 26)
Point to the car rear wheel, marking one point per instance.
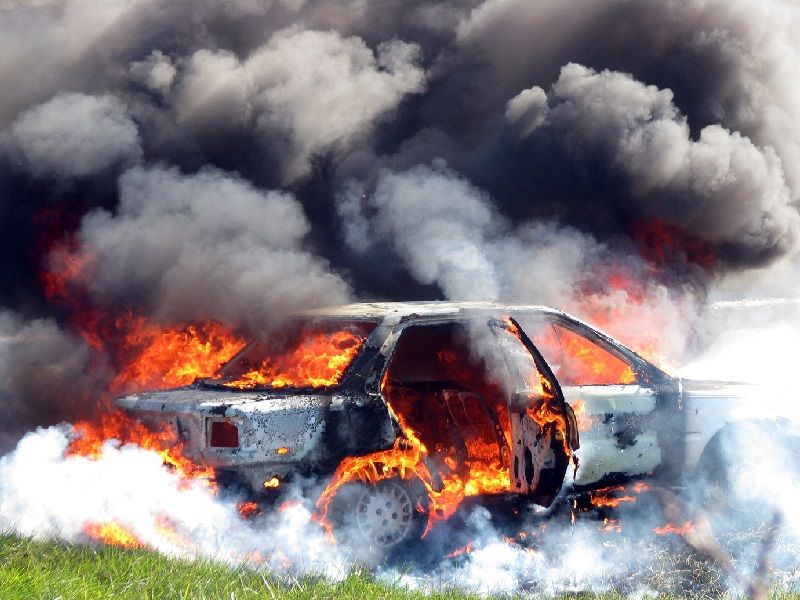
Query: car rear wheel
point(379, 522)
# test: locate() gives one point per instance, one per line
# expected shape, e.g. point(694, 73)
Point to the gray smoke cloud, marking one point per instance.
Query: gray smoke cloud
point(208, 245)
point(436, 222)
point(720, 187)
point(43, 376)
point(303, 93)
point(313, 94)
point(448, 232)
point(156, 72)
point(72, 135)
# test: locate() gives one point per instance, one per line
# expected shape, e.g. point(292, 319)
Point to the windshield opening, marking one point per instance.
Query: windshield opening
point(308, 354)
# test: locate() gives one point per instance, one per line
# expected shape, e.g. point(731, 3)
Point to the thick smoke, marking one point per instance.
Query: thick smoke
point(129, 486)
point(73, 135)
point(448, 232)
point(208, 245)
point(44, 376)
point(720, 187)
point(601, 118)
point(240, 159)
point(303, 94)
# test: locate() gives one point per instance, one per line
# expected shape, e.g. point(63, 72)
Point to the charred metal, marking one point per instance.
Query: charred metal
point(477, 390)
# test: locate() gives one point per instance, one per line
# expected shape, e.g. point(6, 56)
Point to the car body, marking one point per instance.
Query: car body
point(633, 420)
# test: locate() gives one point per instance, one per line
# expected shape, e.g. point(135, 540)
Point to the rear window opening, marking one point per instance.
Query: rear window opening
point(303, 355)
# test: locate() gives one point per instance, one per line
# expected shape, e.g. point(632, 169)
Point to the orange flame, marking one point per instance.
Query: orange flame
point(247, 509)
point(288, 505)
point(165, 528)
point(544, 412)
point(687, 527)
point(661, 242)
point(68, 265)
point(318, 361)
point(170, 357)
point(112, 534)
point(611, 526)
point(628, 308)
point(465, 549)
point(591, 364)
point(484, 472)
point(579, 361)
point(582, 417)
point(118, 426)
point(145, 355)
point(607, 498)
point(405, 460)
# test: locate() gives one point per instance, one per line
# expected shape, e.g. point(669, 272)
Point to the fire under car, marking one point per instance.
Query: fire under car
point(408, 409)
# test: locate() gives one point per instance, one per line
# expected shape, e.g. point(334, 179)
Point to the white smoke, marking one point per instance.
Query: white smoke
point(43, 494)
point(46, 495)
point(750, 329)
point(73, 135)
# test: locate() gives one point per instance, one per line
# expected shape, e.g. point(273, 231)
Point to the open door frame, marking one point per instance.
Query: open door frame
point(543, 428)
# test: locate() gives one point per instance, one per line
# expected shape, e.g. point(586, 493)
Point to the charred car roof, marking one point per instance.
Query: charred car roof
point(401, 311)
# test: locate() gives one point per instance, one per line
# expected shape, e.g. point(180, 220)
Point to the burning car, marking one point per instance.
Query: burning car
point(410, 408)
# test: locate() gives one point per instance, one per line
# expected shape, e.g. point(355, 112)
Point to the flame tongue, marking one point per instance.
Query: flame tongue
point(684, 529)
point(112, 534)
point(481, 471)
point(91, 438)
point(90, 441)
point(319, 360)
point(406, 459)
point(158, 358)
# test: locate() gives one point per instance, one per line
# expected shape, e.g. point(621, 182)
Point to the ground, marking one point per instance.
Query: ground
point(54, 570)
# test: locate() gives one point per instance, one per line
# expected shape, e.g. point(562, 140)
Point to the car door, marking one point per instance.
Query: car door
point(544, 433)
point(617, 409)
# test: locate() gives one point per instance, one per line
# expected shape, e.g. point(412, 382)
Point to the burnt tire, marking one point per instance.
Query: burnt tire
point(379, 523)
point(728, 487)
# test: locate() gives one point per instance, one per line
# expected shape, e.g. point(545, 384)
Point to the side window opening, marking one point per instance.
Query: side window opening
point(575, 359)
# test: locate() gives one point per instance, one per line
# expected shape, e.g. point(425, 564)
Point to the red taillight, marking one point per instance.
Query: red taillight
point(224, 434)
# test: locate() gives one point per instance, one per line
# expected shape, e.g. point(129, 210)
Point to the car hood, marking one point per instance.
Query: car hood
point(742, 400)
point(698, 387)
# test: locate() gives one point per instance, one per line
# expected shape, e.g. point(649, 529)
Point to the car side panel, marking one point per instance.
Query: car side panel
point(617, 431)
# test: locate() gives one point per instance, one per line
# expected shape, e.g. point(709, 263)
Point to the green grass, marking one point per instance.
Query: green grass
point(31, 569)
point(47, 570)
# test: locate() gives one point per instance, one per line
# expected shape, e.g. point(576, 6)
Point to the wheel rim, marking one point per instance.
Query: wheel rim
point(384, 513)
